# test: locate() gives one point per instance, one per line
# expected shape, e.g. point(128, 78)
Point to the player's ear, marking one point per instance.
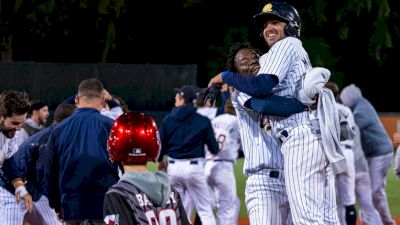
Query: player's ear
point(76, 99)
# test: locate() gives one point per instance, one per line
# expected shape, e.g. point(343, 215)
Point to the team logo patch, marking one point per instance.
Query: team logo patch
point(267, 8)
point(137, 152)
point(112, 219)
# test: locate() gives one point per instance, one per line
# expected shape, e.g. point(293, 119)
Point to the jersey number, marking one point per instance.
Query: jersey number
point(221, 140)
point(165, 217)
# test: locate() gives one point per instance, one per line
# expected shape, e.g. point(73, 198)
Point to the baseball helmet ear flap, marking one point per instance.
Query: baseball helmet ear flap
point(292, 29)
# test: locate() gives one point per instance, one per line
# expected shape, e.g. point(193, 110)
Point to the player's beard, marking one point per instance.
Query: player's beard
point(8, 133)
point(42, 121)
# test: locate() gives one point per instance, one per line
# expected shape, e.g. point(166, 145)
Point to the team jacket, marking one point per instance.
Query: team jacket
point(184, 133)
point(79, 171)
point(144, 198)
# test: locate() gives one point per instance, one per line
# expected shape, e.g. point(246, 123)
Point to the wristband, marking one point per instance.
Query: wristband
point(21, 190)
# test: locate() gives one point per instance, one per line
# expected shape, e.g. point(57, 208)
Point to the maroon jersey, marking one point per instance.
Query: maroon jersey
point(124, 204)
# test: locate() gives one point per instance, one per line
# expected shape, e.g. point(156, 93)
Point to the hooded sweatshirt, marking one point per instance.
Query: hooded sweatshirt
point(184, 133)
point(143, 198)
point(374, 139)
point(154, 184)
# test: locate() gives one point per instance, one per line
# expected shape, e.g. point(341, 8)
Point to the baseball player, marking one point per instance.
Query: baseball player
point(25, 164)
point(14, 107)
point(309, 180)
point(140, 197)
point(37, 118)
point(266, 198)
point(226, 129)
point(184, 133)
point(376, 144)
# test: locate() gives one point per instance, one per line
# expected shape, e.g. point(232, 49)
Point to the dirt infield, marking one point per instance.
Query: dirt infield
point(245, 221)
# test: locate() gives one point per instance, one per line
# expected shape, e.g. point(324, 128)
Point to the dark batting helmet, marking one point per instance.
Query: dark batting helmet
point(134, 138)
point(283, 12)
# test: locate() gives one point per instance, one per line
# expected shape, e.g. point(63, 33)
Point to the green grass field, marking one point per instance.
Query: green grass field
point(392, 190)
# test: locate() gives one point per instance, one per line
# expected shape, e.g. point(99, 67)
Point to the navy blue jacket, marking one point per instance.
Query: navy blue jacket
point(24, 163)
point(79, 172)
point(184, 132)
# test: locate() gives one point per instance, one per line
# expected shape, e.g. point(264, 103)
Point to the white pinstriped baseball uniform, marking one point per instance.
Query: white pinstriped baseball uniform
point(266, 198)
point(310, 186)
point(345, 182)
point(219, 168)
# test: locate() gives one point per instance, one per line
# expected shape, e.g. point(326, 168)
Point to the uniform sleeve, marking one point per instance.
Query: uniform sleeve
point(118, 209)
point(259, 86)
point(276, 106)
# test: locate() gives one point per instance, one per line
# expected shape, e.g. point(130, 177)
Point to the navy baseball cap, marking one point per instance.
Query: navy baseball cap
point(188, 92)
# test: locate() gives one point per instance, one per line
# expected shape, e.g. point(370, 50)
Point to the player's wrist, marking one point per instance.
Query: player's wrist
point(21, 190)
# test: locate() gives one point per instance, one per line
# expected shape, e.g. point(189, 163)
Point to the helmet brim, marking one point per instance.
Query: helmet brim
point(261, 18)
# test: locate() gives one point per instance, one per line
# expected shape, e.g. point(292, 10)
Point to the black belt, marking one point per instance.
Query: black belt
point(223, 160)
point(274, 174)
point(195, 162)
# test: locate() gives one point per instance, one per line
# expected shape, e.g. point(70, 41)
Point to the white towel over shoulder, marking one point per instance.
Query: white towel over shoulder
point(328, 117)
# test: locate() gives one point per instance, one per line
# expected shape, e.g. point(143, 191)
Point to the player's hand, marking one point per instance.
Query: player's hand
point(162, 166)
point(216, 80)
point(27, 198)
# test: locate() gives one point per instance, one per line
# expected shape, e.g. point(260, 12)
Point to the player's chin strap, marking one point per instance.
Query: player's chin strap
point(313, 84)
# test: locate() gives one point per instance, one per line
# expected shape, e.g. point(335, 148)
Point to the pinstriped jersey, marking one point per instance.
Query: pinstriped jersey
point(8, 146)
point(288, 60)
point(260, 149)
point(226, 129)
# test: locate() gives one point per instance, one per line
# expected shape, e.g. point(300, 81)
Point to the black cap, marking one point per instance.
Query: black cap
point(36, 105)
point(188, 92)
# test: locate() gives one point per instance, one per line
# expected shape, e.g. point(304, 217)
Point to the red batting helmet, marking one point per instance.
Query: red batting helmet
point(134, 138)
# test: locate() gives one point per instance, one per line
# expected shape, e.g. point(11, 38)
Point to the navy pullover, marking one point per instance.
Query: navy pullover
point(184, 132)
point(80, 172)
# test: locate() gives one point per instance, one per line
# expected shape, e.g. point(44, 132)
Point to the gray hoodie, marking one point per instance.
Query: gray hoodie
point(374, 138)
point(154, 184)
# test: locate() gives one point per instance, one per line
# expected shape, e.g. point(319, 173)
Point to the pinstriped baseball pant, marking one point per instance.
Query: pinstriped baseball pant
point(42, 213)
point(266, 200)
point(309, 181)
point(11, 212)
